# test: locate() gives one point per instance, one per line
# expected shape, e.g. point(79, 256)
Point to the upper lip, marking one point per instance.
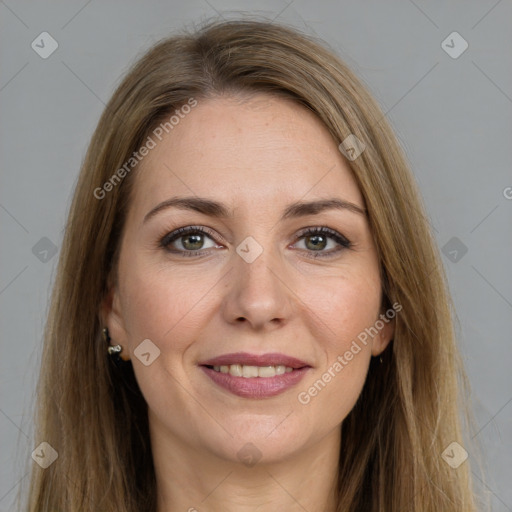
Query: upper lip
point(244, 358)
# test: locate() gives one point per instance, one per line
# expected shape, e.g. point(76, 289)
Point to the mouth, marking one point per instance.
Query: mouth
point(255, 376)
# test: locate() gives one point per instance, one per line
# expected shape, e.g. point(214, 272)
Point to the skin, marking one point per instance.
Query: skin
point(256, 155)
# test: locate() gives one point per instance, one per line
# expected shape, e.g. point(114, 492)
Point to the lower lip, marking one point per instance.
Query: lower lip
point(256, 387)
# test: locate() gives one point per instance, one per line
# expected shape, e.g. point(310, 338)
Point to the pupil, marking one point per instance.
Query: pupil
point(195, 244)
point(316, 244)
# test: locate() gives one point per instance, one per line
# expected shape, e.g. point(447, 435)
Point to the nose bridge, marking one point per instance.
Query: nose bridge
point(257, 265)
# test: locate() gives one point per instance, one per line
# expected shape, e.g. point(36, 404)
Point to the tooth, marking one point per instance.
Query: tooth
point(280, 369)
point(249, 371)
point(235, 370)
point(267, 371)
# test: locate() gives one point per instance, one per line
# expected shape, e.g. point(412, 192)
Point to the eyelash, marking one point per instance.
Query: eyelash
point(321, 230)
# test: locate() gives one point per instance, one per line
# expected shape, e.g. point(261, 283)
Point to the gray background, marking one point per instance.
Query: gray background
point(452, 115)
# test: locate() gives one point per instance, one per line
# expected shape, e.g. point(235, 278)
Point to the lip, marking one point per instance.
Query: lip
point(245, 358)
point(256, 387)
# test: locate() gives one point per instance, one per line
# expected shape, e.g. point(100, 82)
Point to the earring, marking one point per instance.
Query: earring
point(113, 350)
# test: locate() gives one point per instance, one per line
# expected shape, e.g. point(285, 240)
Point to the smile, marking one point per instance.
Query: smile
point(255, 376)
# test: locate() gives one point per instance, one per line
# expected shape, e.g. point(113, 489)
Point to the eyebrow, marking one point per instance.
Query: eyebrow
point(219, 210)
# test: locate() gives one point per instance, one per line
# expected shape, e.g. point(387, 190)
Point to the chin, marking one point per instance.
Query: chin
point(264, 440)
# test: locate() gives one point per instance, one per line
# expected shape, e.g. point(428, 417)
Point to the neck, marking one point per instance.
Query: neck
point(192, 480)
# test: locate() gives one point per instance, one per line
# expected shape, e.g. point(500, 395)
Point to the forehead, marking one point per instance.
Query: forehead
point(250, 152)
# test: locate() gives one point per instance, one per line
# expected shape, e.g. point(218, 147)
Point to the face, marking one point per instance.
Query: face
point(252, 277)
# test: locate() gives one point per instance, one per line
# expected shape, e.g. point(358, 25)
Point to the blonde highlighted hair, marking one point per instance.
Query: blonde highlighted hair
point(411, 406)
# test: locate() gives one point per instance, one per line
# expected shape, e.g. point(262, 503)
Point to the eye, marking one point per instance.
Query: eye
point(190, 241)
point(190, 238)
point(316, 239)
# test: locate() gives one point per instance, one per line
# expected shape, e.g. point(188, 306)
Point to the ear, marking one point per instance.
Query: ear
point(385, 335)
point(112, 318)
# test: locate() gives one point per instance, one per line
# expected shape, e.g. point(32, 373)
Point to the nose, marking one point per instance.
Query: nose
point(258, 293)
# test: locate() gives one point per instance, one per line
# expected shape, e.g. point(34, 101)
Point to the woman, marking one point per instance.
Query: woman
point(250, 311)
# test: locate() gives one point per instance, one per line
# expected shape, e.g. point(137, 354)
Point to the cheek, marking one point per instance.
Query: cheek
point(344, 304)
point(164, 305)
point(344, 309)
point(167, 308)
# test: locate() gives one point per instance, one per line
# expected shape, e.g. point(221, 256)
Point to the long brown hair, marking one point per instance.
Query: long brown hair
point(409, 411)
